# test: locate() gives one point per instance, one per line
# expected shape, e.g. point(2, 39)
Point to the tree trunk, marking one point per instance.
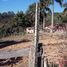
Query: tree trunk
point(44, 20)
point(52, 21)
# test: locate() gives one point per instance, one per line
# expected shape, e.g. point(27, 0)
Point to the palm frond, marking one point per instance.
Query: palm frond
point(65, 9)
point(48, 9)
point(59, 1)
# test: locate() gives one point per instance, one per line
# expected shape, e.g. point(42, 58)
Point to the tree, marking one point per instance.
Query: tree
point(18, 20)
point(57, 18)
point(5, 22)
point(44, 7)
point(30, 13)
point(52, 2)
point(64, 14)
point(65, 7)
point(65, 18)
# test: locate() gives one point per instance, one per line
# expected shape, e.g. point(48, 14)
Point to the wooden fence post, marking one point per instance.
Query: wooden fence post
point(45, 62)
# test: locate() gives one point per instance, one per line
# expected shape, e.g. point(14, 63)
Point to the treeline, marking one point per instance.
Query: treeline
point(11, 23)
point(15, 23)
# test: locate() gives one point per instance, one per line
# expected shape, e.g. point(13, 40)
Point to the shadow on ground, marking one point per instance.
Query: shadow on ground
point(9, 43)
point(11, 61)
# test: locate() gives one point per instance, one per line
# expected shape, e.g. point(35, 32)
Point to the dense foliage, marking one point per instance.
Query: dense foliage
point(14, 23)
point(11, 23)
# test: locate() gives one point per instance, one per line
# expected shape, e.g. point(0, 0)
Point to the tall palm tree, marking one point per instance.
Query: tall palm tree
point(45, 15)
point(43, 8)
point(52, 2)
point(43, 5)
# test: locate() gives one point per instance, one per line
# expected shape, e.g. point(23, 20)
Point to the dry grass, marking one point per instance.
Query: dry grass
point(55, 47)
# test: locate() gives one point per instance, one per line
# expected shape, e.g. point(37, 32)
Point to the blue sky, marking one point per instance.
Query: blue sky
point(18, 5)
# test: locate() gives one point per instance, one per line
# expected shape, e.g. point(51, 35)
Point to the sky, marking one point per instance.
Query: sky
point(18, 5)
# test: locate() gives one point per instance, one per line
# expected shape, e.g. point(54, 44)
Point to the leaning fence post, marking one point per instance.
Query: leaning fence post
point(45, 62)
point(42, 62)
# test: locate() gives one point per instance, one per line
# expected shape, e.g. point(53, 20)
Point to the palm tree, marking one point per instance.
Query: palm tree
point(52, 2)
point(65, 7)
point(43, 8)
point(45, 15)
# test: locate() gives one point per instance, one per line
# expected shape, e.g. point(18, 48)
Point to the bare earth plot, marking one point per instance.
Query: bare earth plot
point(55, 48)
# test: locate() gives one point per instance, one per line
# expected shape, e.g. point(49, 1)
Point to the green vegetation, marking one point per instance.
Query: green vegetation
point(15, 23)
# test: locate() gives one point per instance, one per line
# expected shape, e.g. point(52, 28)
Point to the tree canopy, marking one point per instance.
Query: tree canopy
point(14, 23)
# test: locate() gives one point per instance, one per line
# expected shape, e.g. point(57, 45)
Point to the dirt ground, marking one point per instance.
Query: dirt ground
point(54, 47)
